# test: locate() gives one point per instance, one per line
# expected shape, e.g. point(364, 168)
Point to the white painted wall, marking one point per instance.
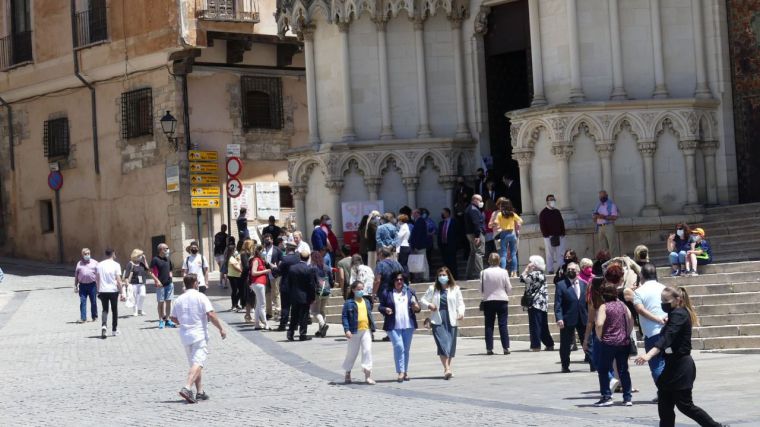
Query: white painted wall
point(596, 54)
point(392, 191)
point(439, 63)
point(678, 49)
point(430, 194)
point(636, 44)
point(555, 50)
point(543, 174)
point(329, 76)
point(354, 189)
point(628, 176)
point(316, 202)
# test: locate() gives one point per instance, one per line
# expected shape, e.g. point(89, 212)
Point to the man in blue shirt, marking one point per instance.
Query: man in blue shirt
point(318, 237)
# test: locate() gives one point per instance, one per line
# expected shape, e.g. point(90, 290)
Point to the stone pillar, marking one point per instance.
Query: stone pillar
point(702, 89)
point(660, 88)
point(423, 130)
point(709, 148)
point(373, 186)
point(618, 82)
point(524, 158)
point(448, 183)
point(348, 108)
point(689, 150)
point(605, 150)
point(410, 183)
point(311, 85)
point(576, 87)
point(647, 150)
point(299, 201)
point(386, 122)
point(562, 153)
point(537, 65)
point(334, 188)
point(462, 129)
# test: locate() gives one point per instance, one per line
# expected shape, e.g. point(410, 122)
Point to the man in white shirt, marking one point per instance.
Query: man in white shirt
point(196, 264)
point(108, 280)
point(192, 311)
point(300, 244)
point(647, 301)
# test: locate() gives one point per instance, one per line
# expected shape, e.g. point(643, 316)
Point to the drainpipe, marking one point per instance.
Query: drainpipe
point(89, 86)
point(10, 132)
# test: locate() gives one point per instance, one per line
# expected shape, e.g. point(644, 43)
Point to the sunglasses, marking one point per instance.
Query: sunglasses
point(400, 279)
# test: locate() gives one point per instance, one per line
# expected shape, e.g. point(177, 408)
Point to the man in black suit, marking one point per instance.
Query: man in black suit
point(302, 287)
point(511, 190)
point(571, 312)
point(480, 181)
point(447, 240)
point(283, 269)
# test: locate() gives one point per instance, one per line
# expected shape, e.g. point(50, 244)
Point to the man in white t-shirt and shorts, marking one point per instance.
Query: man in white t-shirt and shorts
point(192, 311)
point(196, 264)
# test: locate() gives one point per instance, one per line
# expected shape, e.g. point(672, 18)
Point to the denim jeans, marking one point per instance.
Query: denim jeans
point(88, 290)
point(657, 363)
point(618, 354)
point(508, 238)
point(401, 339)
point(677, 258)
point(595, 347)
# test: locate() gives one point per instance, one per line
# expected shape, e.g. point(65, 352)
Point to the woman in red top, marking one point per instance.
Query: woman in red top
point(259, 275)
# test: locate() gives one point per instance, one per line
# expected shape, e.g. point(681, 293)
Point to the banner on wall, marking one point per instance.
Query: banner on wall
point(267, 200)
point(352, 217)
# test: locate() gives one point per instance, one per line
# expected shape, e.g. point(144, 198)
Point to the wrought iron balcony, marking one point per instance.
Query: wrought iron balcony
point(91, 25)
point(228, 10)
point(15, 49)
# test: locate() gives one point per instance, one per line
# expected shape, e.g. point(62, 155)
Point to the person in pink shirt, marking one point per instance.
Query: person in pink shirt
point(84, 284)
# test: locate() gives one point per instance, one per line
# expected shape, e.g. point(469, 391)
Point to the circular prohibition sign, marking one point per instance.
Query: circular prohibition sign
point(234, 166)
point(55, 180)
point(234, 188)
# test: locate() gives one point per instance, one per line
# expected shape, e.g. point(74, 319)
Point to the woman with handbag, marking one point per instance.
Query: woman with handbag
point(495, 290)
point(324, 289)
point(613, 326)
point(444, 300)
point(399, 307)
point(536, 300)
point(136, 274)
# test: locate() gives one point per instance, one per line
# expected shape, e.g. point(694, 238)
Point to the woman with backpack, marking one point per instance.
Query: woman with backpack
point(536, 300)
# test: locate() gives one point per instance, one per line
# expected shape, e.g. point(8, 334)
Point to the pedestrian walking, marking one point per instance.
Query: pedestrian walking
point(536, 300)
point(197, 264)
point(256, 283)
point(591, 345)
point(369, 243)
point(495, 289)
point(301, 287)
point(505, 224)
point(474, 225)
point(325, 281)
point(647, 301)
point(587, 270)
point(357, 326)
point(361, 273)
point(220, 246)
point(290, 259)
point(85, 276)
point(342, 270)
point(192, 312)
point(613, 326)
point(569, 257)
point(675, 384)
point(244, 255)
point(162, 267)
point(109, 284)
point(571, 312)
point(399, 307)
point(136, 275)
point(242, 226)
point(445, 302)
point(553, 229)
point(605, 214)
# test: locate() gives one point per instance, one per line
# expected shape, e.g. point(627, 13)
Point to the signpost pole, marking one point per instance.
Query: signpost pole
point(200, 233)
point(59, 231)
point(229, 211)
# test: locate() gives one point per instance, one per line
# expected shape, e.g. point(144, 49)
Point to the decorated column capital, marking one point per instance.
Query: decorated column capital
point(410, 182)
point(380, 23)
point(647, 148)
point(605, 149)
point(299, 192)
point(343, 26)
point(481, 21)
point(448, 182)
point(373, 181)
point(688, 147)
point(418, 23)
point(334, 187)
point(562, 152)
point(709, 148)
point(523, 157)
point(456, 22)
point(306, 32)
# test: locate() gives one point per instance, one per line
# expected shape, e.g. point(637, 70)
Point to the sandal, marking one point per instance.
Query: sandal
point(347, 379)
point(447, 375)
point(406, 377)
point(400, 378)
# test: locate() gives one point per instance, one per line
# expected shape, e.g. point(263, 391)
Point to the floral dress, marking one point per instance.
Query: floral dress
point(535, 284)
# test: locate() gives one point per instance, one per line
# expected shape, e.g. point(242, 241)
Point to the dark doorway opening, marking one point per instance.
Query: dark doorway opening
point(509, 83)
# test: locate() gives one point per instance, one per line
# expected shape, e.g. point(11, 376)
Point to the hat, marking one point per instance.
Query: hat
point(136, 254)
point(290, 243)
point(699, 231)
point(193, 243)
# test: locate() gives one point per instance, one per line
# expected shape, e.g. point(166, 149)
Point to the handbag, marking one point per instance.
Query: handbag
point(482, 306)
point(129, 300)
point(416, 263)
point(554, 240)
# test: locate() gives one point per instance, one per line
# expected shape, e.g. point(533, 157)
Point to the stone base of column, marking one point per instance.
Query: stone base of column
point(348, 135)
point(660, 92)
point(694, 209)
point(702, 92)
point(538, 101)
point(529, 218)
point(618, 94)
point(569, 214)
point(386, 133)
point(576, 95)
point(650, 211)
point(424, 132)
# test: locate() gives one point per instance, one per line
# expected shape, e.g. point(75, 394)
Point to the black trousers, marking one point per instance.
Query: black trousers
point(111, 298)
point(237, 291)
point(539, 328)
point(299, 316)
point(403, 257)
point(667, 399)
point(285, 310)
point(566, 341)
point(491, 310)
point(449, 255)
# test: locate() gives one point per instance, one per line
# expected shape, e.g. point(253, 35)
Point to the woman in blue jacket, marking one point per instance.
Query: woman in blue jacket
point(399, 307)
point(357, 325)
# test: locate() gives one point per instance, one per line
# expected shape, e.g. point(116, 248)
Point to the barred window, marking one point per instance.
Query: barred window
point(56, 138)
point(262, 102)
point(286, 197)
point(137, 113)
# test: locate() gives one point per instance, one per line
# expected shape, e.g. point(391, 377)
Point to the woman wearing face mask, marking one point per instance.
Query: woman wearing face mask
point(399, 307)
point(613, 327)
point(444, 300)
point(678, 244)
point(569, 257)
point(674, 386)
point(357, 326)
point(700, 252)
point(136, 274)
point(586, 273)
point(505, 223)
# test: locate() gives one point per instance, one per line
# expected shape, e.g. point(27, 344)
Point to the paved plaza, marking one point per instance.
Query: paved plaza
point(57, 372)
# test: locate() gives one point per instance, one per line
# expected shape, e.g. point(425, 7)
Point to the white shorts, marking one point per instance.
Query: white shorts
point(197, 353)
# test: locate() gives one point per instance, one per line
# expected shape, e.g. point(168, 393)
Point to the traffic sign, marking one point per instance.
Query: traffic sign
point(234, 188)
point(198, 167)
point(204, 179)
point(205, 191)
point(234, 166)
point(202, 156)
point(205, 202)
point(55, 180)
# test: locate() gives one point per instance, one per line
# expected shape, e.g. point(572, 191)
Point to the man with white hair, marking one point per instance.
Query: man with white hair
point(474, 226)
point(571, 312)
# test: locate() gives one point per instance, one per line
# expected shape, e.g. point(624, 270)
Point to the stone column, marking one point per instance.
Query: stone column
point(456, 28)
point(605, 150)
point(689, 149)
point(702, 89)
point(373, 186)
point(335, 188)
point(423, 130)
point(348, 108)
point(709, 148)
point(618, 82)
point(299, 201)
point(524, 158)
point(448, 182)
point(576, 87)
point(386, 122)
point(311, 85)
point(647, 150)
point(562, 153)
point(660, 88)
point(537, 65)
point(410, 183)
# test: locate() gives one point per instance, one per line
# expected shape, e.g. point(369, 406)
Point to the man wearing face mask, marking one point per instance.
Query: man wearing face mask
point(332, 239)
point(84, 284)
point(196, 264)
point(161, 267)
point(605, 215)
point(474, 225)
point(553, 229)
point(571, 312)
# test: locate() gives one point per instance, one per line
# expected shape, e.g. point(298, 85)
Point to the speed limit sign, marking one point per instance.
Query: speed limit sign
point(234, 188)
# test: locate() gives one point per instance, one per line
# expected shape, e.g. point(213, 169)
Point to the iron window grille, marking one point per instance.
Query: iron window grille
point(91, 24)
point(262, 102)
point(137, 113)
point(56, 137)
point(15, 49)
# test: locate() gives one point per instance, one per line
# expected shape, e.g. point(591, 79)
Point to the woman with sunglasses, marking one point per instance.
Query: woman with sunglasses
point(446, 305)
point(399, 307)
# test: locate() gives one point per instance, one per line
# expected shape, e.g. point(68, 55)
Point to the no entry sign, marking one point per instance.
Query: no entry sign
point(234, 166)
point(55, 180)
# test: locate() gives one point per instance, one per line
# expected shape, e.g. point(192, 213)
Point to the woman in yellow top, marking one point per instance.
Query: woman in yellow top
point(504, 224)
point(357, 325)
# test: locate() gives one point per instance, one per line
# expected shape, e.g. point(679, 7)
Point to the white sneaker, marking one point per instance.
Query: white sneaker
point(613, 384)
point(134, 314)
point(115, 333)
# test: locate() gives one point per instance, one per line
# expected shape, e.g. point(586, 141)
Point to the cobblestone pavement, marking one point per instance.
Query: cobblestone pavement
point(57, 372)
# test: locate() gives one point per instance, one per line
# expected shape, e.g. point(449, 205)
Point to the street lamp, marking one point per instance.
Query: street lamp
point(169, 125)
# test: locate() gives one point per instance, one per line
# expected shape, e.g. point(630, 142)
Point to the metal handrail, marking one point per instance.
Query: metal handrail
point(228, 10)
point(15, 49)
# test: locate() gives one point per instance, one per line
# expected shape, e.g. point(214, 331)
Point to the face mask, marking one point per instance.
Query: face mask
point(443, 216)
point(667, 307)
point(587, 271)
point(679, 233)
point(552, 204)
point(358, 294)
point(480, 205)
point(194, 251)
point(86, 258)
point(444, 280)
point(328, 222)
point(167, 252)
point(568, 260)
point(424, 216)
point(374, 220)
point(603, 199)
point(268, 243)
point(572, 274)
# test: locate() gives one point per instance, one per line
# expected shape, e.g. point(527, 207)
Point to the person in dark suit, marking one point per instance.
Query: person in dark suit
point(571, 312)
point(447, 240)
point(480, 181)
point(302, 287)
point(283, 269)
point(511, 190)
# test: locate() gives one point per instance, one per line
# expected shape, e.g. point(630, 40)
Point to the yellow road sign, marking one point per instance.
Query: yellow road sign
point(205, 202)
point(204, 179)
point(202, 156)
point(205, 191)
point(197, 167)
